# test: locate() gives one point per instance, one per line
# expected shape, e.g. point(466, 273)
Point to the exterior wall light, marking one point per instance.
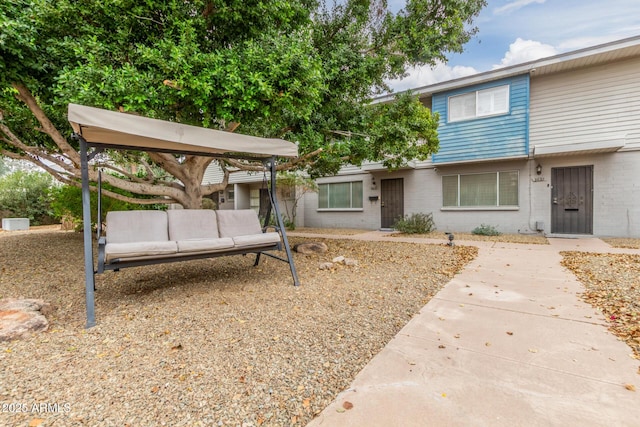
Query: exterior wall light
point(539, 170)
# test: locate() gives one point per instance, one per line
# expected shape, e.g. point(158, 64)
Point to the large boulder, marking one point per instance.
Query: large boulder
point(19, 317)
point(311, 248)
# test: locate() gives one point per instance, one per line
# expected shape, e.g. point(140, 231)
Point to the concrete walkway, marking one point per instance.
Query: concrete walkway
point(506, 343)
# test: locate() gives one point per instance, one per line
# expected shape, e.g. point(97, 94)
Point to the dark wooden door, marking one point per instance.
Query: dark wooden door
point(572, 200)
point(392, 201)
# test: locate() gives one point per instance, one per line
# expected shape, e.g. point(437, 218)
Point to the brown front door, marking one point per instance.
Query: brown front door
point(572, 200)
point(392, 201)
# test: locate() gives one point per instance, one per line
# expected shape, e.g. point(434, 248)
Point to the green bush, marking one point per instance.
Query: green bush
point(416, 223)
point(67, 205)
point(27, 195)
point(486, 230)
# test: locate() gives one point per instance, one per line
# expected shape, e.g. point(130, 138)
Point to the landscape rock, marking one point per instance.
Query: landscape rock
point(19, 317)
point(311, 248)
point(326, 266)
point(338, 259)
point(350, 262)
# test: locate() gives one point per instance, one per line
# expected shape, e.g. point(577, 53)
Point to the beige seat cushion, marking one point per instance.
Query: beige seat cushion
point(139, 249)
point(256, 239)
point(205, 245)
point(137, 226)
point(241, 222)
point(185, 224)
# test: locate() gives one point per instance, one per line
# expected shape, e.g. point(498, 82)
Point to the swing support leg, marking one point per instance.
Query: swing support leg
point(88, 242)
point(274, 204)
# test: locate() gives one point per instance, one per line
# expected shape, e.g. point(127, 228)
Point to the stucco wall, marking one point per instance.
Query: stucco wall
point(616, 191)
point(616, 196)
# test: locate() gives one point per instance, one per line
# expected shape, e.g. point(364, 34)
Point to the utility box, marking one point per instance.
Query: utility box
point(12, 224)
point(539, 225)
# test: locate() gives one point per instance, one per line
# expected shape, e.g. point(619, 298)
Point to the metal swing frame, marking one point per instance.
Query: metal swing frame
point(86, 156)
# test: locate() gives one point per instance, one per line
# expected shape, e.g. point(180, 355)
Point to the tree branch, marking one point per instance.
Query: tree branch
point(27, 98)
point(139, 188)
point(211, 188)
point(169, 163)
point(281, 167)
point(122, 197)
point(34, 153)
point(131, 176)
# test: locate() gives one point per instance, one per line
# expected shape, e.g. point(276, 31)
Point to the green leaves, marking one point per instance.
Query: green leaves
point(302, 70)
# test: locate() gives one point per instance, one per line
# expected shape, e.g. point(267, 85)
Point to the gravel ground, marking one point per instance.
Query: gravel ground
point(209, 342)
point(619, 242)
point(341, 231)
point(532, 239)
point(612, 284)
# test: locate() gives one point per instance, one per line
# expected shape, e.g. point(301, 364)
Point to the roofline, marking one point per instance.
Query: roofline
point(513, 70)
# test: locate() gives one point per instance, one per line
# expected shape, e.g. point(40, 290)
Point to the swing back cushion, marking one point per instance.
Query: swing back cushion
point(196, 230)
point(138, 233)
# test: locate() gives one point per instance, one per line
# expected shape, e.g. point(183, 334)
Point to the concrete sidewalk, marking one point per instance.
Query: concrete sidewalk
point(506, 343)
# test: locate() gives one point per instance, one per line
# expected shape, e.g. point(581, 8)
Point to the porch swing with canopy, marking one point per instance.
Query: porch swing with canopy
point(136, 238)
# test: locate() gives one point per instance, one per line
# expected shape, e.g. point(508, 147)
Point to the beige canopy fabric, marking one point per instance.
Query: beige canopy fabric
point(121, 130)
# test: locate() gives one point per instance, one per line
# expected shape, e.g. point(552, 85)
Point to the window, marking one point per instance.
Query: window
point(481, 103)
point(491, 189)
point(341, 195)
point(231, 194)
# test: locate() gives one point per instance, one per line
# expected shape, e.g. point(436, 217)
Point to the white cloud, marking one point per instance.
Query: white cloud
point(525, 50)
point(515, 5)
point(424, 76)
point(587, 41)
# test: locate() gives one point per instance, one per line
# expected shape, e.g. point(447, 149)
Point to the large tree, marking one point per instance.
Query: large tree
point(302, 70)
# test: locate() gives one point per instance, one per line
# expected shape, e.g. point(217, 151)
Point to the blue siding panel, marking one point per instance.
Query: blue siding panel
point(485, 138)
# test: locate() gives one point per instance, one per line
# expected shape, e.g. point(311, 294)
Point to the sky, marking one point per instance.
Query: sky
point(511, 32)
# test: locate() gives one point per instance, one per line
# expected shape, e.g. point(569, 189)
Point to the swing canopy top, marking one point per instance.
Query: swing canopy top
point(115, 130)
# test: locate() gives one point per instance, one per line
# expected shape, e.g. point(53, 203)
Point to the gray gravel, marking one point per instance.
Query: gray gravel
point(210, 342)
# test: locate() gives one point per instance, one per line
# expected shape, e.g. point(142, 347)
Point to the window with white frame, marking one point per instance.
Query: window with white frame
point(340, 195)
point(480, 103)
point(493, 189)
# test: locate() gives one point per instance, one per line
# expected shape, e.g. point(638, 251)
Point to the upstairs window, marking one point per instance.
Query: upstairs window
point(481, 103)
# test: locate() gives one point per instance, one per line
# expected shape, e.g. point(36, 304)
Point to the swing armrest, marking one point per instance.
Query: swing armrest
point(102, 244)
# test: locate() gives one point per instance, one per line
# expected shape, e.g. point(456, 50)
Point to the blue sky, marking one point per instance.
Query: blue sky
point(517, 31)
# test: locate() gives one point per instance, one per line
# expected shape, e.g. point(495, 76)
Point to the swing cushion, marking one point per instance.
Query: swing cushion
point(256, 239)
point(241, 222)
point(137, 234)
point(196, 230)
point(147, 235)
point(187, 224)
point(137, 226)
point(243, 226)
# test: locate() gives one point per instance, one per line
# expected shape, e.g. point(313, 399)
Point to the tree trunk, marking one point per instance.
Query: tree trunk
point(192, 194)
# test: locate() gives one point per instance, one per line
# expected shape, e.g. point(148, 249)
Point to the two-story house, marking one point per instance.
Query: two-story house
point(550, 146)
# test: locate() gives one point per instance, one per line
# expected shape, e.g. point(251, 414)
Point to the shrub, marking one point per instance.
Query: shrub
point(67, 205)
point(26, 195)
point(486, 230)
point(416, 223)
